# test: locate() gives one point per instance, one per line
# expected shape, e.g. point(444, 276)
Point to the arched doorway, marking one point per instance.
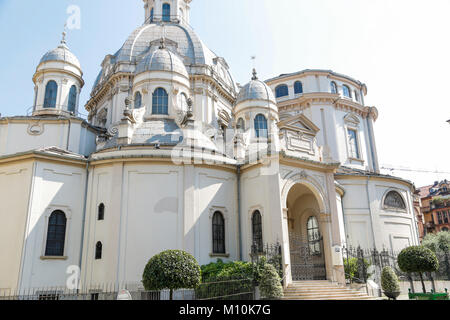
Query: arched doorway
point(306, 235)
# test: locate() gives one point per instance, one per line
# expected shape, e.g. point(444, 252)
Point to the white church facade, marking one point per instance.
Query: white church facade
point(176, 155)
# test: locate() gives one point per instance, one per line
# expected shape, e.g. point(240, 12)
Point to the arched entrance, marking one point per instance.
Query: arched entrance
point(306, 235)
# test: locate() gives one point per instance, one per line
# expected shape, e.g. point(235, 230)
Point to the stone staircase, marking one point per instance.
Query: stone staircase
point(322, 290)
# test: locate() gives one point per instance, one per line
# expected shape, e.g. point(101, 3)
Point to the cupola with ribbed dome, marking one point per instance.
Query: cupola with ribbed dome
point(161, 83)
point(58, 81)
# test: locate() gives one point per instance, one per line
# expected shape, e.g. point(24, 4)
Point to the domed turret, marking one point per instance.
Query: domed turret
point(256, 110)
point(256, 90)
point(58, 81)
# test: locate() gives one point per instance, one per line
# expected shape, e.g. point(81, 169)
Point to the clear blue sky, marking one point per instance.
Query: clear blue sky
point(400, 49)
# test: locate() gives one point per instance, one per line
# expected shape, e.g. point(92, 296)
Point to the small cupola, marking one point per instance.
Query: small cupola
point(58, 81)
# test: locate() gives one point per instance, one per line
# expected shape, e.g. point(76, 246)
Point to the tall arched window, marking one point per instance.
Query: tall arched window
point(51, 90)
point(160, 103)
point(98, 250)
point(281, 91)
point(72, 99)
point(346, 91)
point(313, 235)
point(333, 87)
point(257, 232)
point(56, 234)
point(137, 100)
point(101, 212)
point(218, 229)
point(298, 87)
point(394, 200)
point(152, 14)
point(261, 126)
point(166, 12)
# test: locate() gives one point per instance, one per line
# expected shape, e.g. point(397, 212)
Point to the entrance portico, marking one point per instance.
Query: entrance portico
point(311, 233)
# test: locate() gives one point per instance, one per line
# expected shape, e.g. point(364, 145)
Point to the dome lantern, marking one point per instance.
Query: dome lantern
point(168, 11)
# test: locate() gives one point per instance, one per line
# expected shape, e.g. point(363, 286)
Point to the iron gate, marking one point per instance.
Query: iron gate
point(307, 259)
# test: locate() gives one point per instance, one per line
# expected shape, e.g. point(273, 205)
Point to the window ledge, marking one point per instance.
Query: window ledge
point(356, 159)
point(219, 255)
point(53, 258)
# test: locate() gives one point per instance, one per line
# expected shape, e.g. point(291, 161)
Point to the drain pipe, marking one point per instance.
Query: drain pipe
point(84, 218)
point(239, 210)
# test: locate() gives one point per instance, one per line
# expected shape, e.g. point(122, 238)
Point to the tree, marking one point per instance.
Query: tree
point(438, 243)
point(172, 269)
point(418, 259)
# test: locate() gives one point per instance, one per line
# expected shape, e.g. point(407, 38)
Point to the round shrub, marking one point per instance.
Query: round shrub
point(172, 269)
point(270, 283)
point(418, 259)
point(389, 282)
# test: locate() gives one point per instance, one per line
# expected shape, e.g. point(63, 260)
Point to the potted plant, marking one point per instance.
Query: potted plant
point(270, 283)
point(390, 284)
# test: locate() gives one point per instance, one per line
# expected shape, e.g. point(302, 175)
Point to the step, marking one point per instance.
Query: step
point(322, 298)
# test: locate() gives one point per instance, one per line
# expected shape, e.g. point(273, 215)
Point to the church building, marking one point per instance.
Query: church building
point(176, 155)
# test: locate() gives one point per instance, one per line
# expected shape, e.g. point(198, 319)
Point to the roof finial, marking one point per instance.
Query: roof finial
point(163, 39)
point(255, 77)
point(63, 40)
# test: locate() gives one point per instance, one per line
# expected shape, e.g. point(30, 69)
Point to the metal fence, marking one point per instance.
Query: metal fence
point(242, 289)
point(272, 254)
point(364, 264)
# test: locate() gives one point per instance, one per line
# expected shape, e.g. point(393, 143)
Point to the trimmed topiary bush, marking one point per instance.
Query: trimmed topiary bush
point(418, 259)
point(172, 269)
point(389, 283)
point(270, 283)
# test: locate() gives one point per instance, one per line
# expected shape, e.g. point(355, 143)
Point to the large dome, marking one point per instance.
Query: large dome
point(180, 39)
point(162, 59)
point(256, 90)
point(63, 54)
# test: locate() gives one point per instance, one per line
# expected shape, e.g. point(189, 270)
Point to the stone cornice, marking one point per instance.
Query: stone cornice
point(56, 70)
point(105, 88)
point(308, 99)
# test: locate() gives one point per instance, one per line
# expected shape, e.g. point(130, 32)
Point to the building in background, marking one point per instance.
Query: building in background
point(435, 206)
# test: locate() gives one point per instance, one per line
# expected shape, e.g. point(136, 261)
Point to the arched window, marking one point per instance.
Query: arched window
point(281, 91)
point(346, 91)
point(160, 103)
point(333, 87)
point(166, 12)
point(298, 87)
point(394, 200)
point(98, 250)
point(101, 212)
point(313, 236)
point(152, 14)
point(261, 126)
point(218, 229)
point(56, 234)
point(137, 100)
point(445, 229)
point(257, 232)
point(240, 125)
point(51, 90)
point(72, 99)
